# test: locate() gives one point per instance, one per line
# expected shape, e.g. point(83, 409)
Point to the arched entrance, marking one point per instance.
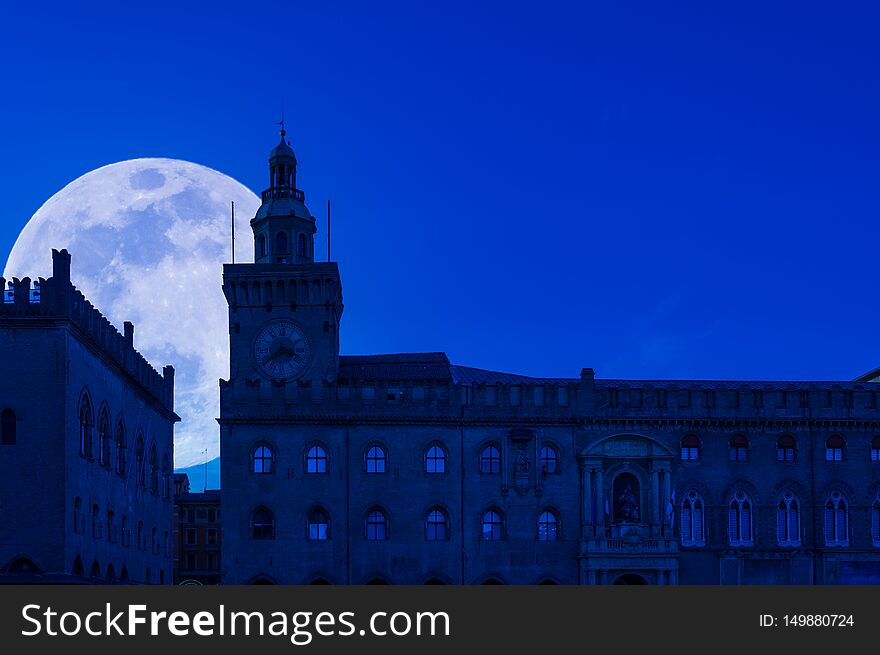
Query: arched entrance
point(630, 578)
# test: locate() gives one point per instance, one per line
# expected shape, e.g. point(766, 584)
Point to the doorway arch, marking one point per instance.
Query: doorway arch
point(631, 578)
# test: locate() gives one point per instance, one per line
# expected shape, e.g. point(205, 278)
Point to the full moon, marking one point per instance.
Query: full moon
point(148, 238)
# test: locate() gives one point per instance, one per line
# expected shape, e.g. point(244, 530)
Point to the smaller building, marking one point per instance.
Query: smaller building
point(196, 535)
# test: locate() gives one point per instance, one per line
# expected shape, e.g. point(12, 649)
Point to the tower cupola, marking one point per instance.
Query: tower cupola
point(284, 229)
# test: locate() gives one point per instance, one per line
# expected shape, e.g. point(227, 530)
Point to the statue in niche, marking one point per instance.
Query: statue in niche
point(626, 506)
point(522, 462)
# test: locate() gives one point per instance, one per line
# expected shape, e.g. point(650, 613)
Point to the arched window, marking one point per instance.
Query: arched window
point(693, 529)
point(785, 448)
point(167, 477)
point(490, 460)
point(375, 459)
point(377, 525)
point(301, 245)
point(436, 525)
point(549, 460)
point(318, 525)
point(77, 568)
point(740, 520)
point(96, 522)
point(547, 526)
point(835, 449)
point(104, 437)
point(121, 449)
point(141, 537)
point(154, 540)
point(788, 520)
point(85, 426)
point(139, 461)
point(154, 470)
point(492, 526)
point(124, 533)
point(316, 460)
point(875, 449)
point(78, 518)
point(111, 526)
point(435, 460)
point(281, 243)
point(263, 459)
point(95, 571)
point(836, 520)
point(690, 448)
point(875, 521)
point(262, 524)
point(262, 245)
point(7, 427)
point(739, 448)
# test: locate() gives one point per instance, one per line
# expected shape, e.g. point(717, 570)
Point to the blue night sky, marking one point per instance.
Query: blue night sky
point(656, 190)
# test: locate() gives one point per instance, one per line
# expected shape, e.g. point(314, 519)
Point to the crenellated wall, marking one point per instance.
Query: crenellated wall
point(56, 297)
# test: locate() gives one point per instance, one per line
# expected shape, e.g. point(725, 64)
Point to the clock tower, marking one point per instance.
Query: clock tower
point(285, 308)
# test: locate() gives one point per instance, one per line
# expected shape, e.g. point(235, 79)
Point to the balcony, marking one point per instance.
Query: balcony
point(283, 192)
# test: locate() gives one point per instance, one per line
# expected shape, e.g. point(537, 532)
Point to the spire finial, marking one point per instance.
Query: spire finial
point(281, 122)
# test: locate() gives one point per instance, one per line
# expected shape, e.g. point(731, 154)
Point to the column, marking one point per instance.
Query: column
point(655, 501)
point(600, 504)
point(587, 499)
point(665, 500)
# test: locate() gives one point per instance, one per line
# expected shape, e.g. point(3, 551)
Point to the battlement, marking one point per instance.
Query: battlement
point(57, 298)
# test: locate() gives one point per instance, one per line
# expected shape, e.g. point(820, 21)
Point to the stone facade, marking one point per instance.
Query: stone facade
point(408, 469)
point(85, 442)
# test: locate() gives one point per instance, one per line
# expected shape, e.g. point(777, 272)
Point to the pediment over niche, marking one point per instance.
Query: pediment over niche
point(627, 445)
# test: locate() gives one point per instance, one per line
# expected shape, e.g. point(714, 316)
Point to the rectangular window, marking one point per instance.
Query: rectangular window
point(393, 395)
point(191, 561)
point(418, 394)
point(539, 396)
point(201, 515)
point(562, 397)
point(191, 537)
point(191, 516)
point(368, 395)
point(213, 561)
point(212, 516)
point(515, 396)
point(212, 536)
point(467, 395)
point(613, 400)
point(491, 395)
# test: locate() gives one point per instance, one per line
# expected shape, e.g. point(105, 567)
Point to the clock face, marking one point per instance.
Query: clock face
point(282, 350)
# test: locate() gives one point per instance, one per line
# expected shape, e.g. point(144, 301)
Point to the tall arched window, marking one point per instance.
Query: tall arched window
point(492, 526)
point(436, 525)
point(301, 245)
point(104, 437)
point(154, 540)
point(167, 477)
point(490, 459)
point(7, 427)
point(740, 520)
point(124, 533)
point(835, 449)
point(318, 525)
point(141, 537)
point(693, 529)
point(377, 525)
point(262, 245)
point(836, 520)
point(435, 460)
point(85, 426)
point(78, 519)
point(154, 470)
point(139, 461)
point(785, 448)
point(262, 524)
point(875, 521)
point(111, 526)
point(281, 243)
point(375, 459)
point(263, 459)
point(121, 449)
point(788, 520)
point(316, 460)
point(96, 522)
point(690, 448)
point(739, 448)
point(549, 460)
point(548, 526)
